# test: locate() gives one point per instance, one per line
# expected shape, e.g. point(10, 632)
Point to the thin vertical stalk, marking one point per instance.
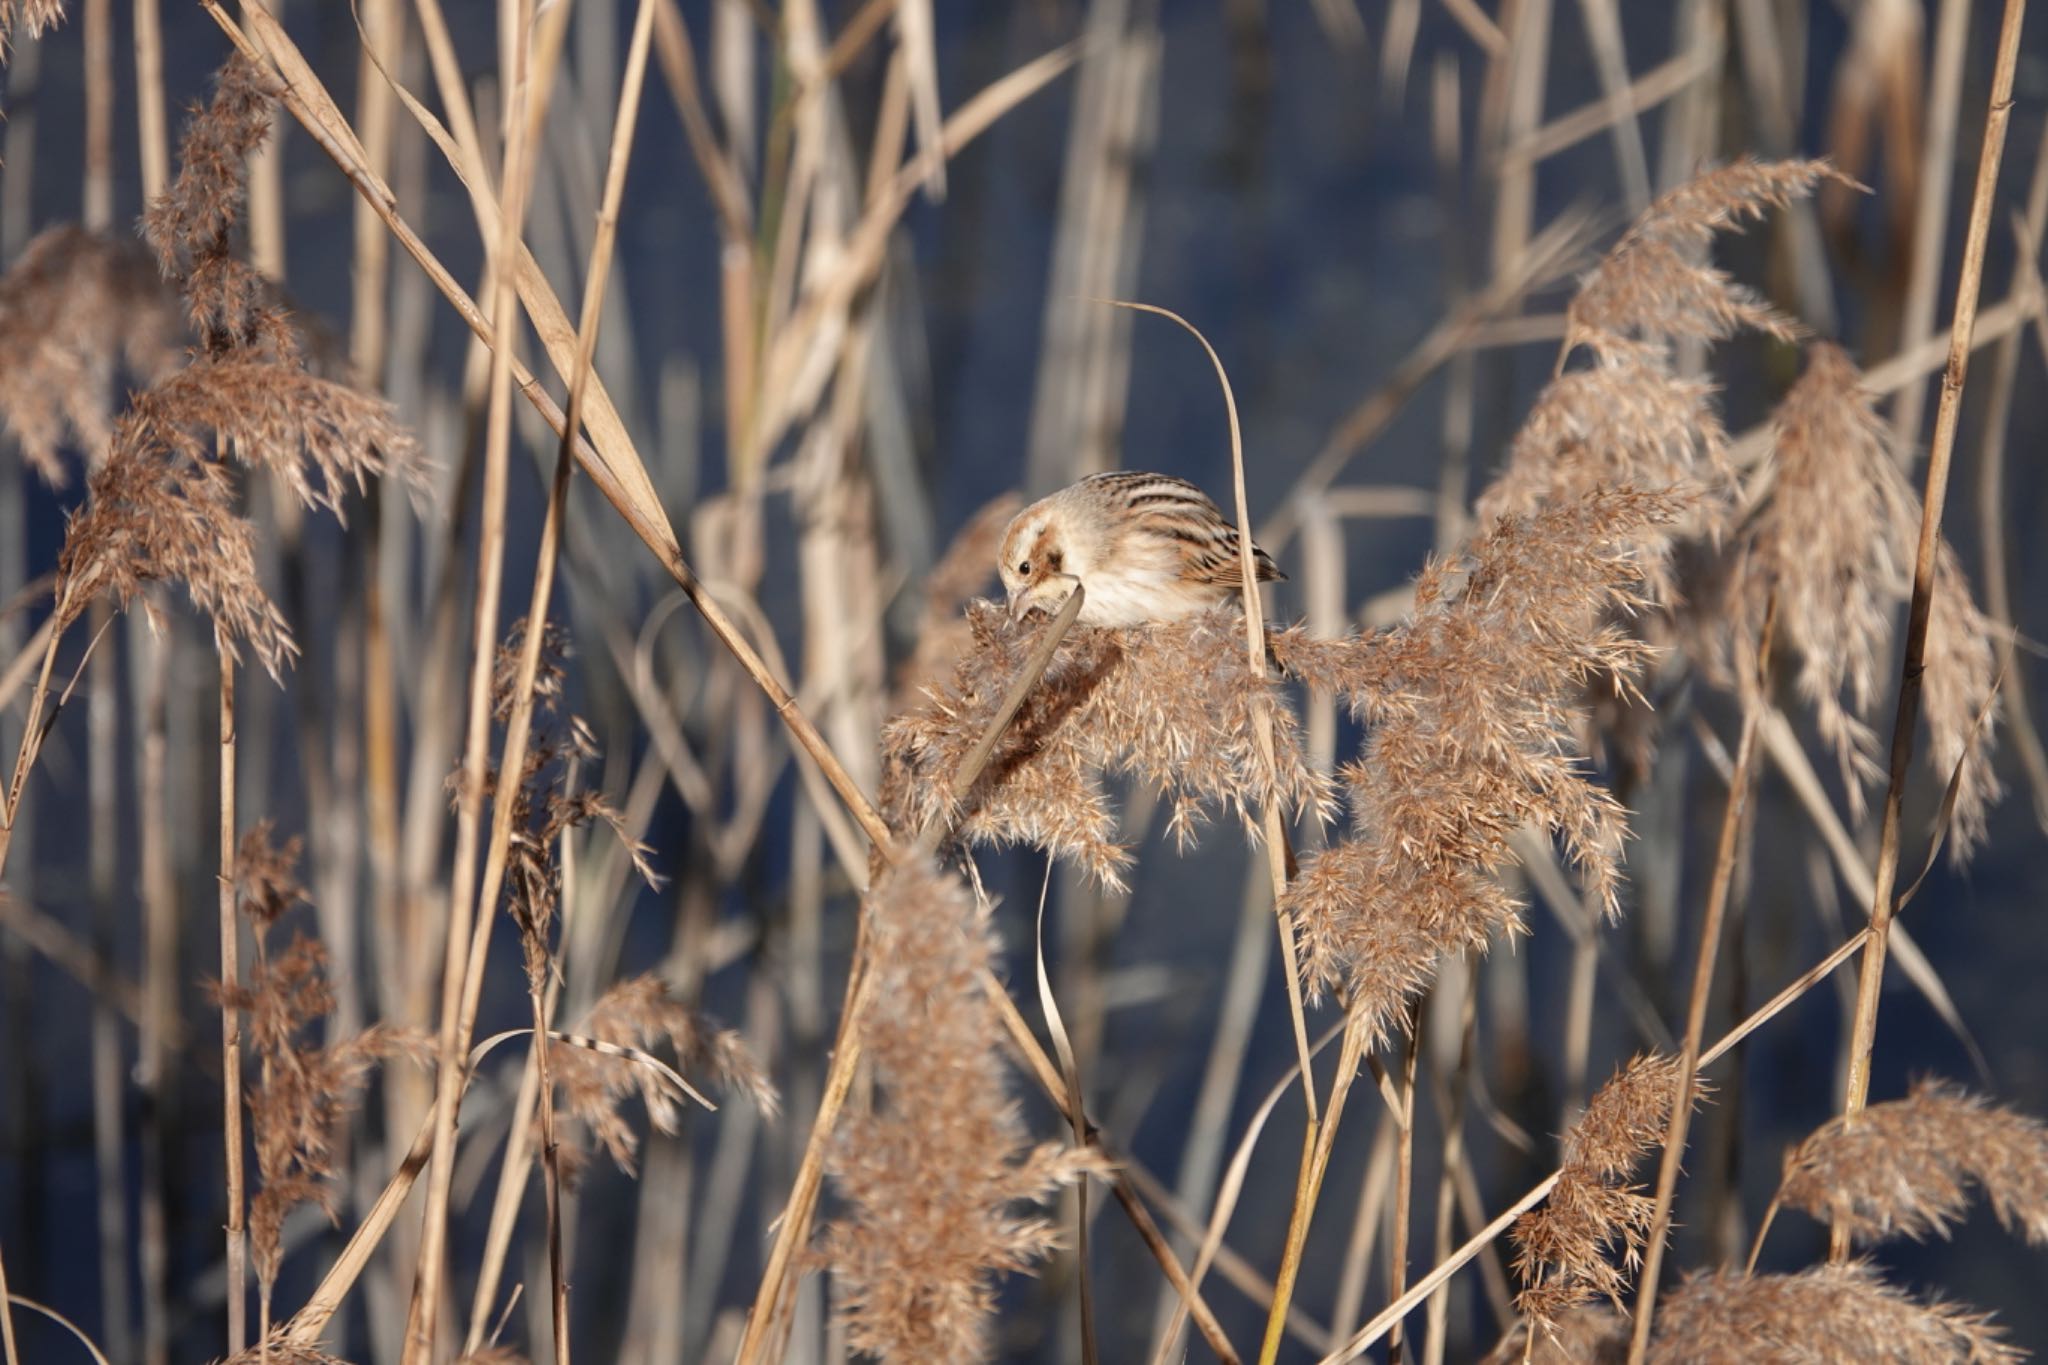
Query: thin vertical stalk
point(1930, 212)
point(1451, 1108)
point(1404, 1181)
point(159, 978)
point(231, 1025)
point(1739, 784)
point(460, 961)
point(98, 183)
point(152, 128)
point(1933, 498)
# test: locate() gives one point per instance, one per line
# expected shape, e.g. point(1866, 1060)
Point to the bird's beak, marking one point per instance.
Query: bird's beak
point(1019, 604)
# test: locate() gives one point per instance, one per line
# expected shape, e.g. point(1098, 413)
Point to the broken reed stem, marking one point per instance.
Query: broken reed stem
point(231, 1025)
point(1739, 784)
point(468, 915)
point(1933, 497)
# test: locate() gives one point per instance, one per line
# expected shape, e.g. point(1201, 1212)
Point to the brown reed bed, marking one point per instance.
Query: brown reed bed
point(801, 1183)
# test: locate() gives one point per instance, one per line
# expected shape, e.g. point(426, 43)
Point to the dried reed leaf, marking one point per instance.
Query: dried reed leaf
point(1171, 704)
point(1564, 1248)
point(1905, 1167)
point(934, 1172)
point(77, 309)
point(1829, 1315)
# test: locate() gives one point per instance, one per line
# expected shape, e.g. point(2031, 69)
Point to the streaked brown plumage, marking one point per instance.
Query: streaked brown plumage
point(1147, 547)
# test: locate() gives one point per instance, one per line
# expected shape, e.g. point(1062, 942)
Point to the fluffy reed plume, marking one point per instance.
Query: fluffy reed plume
point(935, 1169)
point(1836, 539)
point(1169, 704)
point(1630, 419)
point(963, 571)
point(1564, 1248)
point(608, 1060)
point(1472, 709)
point(304, 1089)
point(1592, 1335)
point(77, 309)
point(37, 16)
point(162, 507)
point(1656, 285)
point(1829, 1315)
point(1904, 1168)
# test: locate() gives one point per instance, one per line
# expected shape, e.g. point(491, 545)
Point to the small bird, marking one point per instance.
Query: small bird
point(1147, 547)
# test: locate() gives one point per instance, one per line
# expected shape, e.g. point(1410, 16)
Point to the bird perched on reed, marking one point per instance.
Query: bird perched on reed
point(1147, 547)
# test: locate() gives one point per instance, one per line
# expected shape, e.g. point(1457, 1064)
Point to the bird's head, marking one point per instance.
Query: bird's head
point(1035, 562)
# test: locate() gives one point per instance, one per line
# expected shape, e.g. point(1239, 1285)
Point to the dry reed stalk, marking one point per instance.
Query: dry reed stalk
point(1450, 1105)
point(469, 911)
point(1924, 564)
point(1991, 494)
point(1929, 190)
point(609, 457)
point(1706, 955)
point(231, 1032)
point(1404, 1173)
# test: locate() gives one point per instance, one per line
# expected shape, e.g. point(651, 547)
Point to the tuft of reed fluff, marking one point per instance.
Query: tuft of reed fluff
point(1656, 285)
point(36, 16)
point(162, 507)
point(1835, 538)
point(1904, 1168)
point(935, 1170)
point(1472, 707)
point(606, 1062)
point(304, 1087)
point(1830, 1315)
point(1629, 418)
point(1565, 1249)
point(77, 310)
point(1169, 704)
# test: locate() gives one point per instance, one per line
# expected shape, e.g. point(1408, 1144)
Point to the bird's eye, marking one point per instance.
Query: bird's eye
point(1024, 568)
